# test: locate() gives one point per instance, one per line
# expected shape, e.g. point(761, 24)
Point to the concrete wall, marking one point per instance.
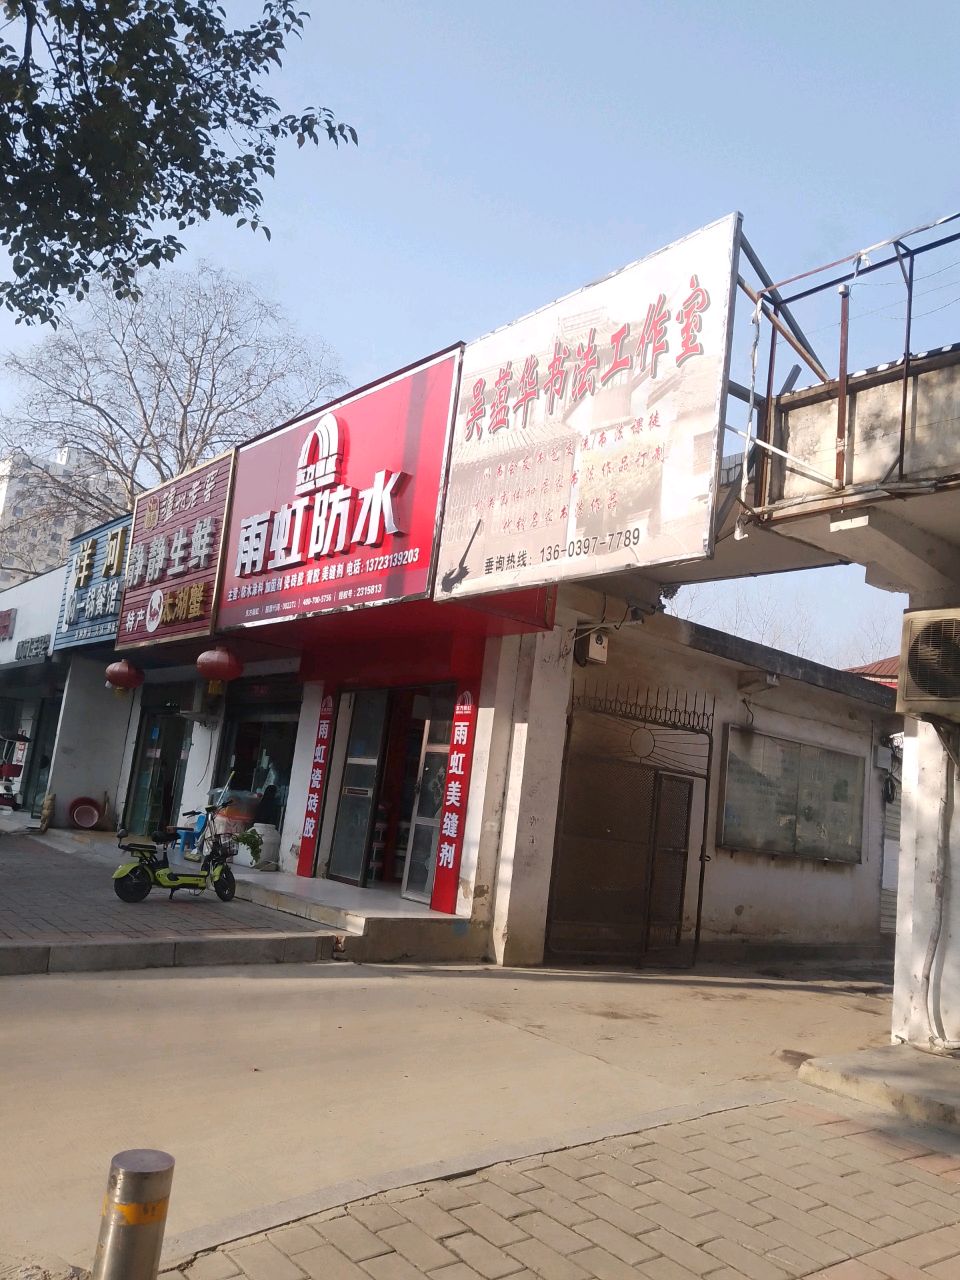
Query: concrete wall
point(753, 896)
point(89, 749)
point(809, 430)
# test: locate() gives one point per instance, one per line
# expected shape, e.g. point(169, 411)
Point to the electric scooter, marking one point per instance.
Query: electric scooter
point(132, 881)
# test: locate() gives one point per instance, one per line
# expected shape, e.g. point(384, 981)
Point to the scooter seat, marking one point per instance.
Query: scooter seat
point(146, 843)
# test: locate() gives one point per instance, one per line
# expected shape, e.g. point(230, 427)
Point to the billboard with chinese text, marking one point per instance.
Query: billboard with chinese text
point(93, 590)
point(340, 509)
point(174, 556)
point(586, 435)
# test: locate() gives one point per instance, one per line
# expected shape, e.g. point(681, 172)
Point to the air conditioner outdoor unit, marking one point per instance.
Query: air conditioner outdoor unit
point(929, 683)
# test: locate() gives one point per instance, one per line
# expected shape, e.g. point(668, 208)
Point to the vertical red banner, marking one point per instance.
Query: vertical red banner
point(454, 812)
point(318, 778)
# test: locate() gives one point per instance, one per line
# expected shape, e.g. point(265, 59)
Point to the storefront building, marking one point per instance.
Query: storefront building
point(166, 617)
point(83, 641)
point(413, 591)
point(332, 548)
point(31, 689)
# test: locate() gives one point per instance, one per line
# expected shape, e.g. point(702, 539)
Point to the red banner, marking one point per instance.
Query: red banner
point(318, 777)
point(175, 542)
point(341, 509)
point(453, 814)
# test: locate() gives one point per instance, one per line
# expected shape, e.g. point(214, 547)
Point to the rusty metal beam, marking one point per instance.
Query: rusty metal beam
point(773, 293)
point(785, 333)
point(842, 385)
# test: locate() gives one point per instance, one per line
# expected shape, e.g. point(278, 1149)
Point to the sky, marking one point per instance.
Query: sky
point(511, 152)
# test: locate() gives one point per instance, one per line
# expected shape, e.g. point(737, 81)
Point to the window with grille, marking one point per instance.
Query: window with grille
point(790, 799)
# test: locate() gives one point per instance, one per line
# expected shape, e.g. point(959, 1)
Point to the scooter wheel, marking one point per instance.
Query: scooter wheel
point(134, 886)
point(225, 886)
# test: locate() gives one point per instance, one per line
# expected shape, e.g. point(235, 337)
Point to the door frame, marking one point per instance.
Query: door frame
point(426, 747)
point(361, 881)
point(660, 774)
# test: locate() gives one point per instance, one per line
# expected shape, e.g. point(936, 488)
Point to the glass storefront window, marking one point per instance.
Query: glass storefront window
point(258, 753)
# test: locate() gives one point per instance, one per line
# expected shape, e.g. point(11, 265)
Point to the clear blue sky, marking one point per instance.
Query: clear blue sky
point(510, 152)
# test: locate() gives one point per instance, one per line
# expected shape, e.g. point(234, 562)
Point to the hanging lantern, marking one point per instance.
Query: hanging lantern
point(123, 675)
point(218, 667)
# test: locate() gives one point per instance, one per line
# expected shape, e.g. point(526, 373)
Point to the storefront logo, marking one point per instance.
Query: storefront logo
point(326, 517)
point(8, 620)
point(154, 611)
point(319, 463)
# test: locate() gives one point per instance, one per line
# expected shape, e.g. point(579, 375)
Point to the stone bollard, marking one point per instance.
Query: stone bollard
point(134, 1216)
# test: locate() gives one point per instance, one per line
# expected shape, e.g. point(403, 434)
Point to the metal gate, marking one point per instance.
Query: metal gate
point(623, 831)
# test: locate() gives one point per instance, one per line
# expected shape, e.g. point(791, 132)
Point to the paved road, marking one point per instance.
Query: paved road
point(52, 896)
point(767, 1192)
point(275, 1083)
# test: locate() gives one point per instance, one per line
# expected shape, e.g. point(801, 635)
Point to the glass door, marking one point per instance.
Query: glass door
point(350, 849)
point(424, 835)
point(157, 779)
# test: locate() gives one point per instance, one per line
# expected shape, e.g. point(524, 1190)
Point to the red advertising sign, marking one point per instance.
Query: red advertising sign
point(341, 508)
point(453, 814)
point(175, 543)
point(318, 778)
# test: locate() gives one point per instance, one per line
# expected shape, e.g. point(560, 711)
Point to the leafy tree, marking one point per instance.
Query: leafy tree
point(122, 122)
point(133, 391)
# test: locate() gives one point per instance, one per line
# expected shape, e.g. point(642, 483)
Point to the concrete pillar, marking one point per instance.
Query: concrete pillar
point(525, 862)
point(300, 774)
point(88, 751)
point(201, 762)
point(491, 755)
point(925, 770)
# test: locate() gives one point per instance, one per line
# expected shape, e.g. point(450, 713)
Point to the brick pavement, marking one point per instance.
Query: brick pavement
point(762, 1192)
point(50, 896)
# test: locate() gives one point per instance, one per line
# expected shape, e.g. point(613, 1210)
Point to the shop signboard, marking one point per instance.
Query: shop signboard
point(453, 813)
point(174, 557)
point(340, 509)
point(93, 589)
point(318, 778)
point(587, 434)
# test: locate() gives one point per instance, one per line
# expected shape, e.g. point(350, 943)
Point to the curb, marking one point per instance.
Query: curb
point(923, 1088)
point(181, 1250)
point(21, 958)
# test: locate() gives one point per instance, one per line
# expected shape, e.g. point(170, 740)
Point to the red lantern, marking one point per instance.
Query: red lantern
point(124, 675)
point(218, 667)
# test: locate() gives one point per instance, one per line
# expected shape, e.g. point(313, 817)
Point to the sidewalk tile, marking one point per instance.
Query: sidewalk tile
point(687, 1255)
point(892, 1267)
point(494, 1228)
point(484, 1257)
point(546, 1262)
point(328, 1263)
point(416, 1246)
point(351, 1238)
point(263, 1261)
point(390, 1266)
point(212, 1266)
point(557, 1206)
point(552, 1233)
point(295, 1239)
point(612, 1240)
point(429, 1217)
point(752, 1265)
point(375, 1215)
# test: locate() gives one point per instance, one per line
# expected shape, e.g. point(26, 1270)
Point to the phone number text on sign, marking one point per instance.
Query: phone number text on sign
point(593, 546)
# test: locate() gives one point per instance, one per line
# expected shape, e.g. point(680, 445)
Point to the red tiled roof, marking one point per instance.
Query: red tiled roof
point(884, 672)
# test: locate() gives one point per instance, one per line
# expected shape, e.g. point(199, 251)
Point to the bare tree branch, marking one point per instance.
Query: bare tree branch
point(139, 391)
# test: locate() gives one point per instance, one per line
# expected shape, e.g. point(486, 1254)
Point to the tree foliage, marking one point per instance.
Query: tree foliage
point(123, 122)
point(140, 389)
